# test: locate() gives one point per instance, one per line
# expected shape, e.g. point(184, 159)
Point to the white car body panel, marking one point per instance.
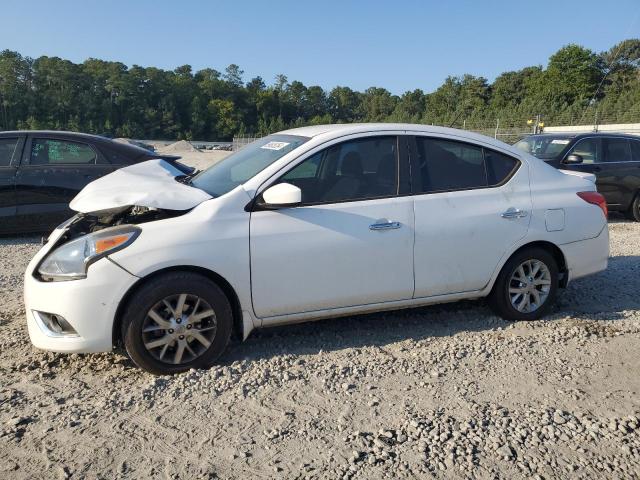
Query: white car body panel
point(304, 263)
point(148, 184)
point(461, 236)
point(299, 254)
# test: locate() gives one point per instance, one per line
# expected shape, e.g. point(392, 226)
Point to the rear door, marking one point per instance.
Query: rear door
point(10, 150)
point(472, 204)
point(53, 170)
point(593, 151)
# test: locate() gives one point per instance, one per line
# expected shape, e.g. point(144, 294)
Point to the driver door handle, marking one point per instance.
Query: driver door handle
point(384, 224)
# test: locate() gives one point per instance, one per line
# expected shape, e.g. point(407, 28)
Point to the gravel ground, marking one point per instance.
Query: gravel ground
point(444, 392)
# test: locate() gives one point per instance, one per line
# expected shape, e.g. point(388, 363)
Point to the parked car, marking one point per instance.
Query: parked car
point(310, 223)
point(613, 158)
point(41, 171)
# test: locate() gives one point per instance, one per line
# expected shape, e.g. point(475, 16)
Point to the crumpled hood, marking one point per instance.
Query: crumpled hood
point(148, 184)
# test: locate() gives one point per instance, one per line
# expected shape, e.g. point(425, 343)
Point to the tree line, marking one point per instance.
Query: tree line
point(110, 98)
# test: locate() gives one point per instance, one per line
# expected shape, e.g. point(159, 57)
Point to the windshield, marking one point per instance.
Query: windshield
point(542, 146)
point(244, 164)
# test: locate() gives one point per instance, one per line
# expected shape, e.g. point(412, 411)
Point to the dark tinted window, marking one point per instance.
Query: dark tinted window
point(448, 165)
point(499, 166)
point(616, 150)
point(587, 148)
point(635, 150)
point(7, 150)
point(353, 170)
point(60, 152)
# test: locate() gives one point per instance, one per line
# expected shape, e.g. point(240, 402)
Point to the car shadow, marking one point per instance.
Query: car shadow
point(26, 239)
point(604, 296)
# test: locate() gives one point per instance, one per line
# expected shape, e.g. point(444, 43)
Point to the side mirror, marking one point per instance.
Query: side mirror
point(573, 158)
point(282, 195)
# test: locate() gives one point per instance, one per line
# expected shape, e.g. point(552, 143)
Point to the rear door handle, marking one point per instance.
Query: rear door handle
point(514, 213)
point(384, 224)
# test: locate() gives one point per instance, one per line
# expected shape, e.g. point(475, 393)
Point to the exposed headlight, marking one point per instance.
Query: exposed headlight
point(71, 260)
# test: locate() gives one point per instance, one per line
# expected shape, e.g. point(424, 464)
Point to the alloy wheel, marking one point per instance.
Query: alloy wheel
point(179, 329)
point(529, 286)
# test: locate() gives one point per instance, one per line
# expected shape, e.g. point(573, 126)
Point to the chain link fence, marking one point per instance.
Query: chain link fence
point(511, 132)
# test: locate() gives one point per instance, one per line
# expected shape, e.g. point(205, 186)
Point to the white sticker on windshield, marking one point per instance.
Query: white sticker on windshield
point(275, 145)
point(561, 141)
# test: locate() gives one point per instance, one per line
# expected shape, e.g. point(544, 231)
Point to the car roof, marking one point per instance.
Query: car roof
point(341, 129)
point(124, 148)
point(584, 134)
point(54, 132)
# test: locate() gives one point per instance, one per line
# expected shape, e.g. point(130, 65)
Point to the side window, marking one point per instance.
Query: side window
point(449, 165)
point(616, 150)
point(7, 150)
point(635, 150)
point(306, 170)
point(353, 170)
point(60, 152)
point(587, 149)
point(499, 166)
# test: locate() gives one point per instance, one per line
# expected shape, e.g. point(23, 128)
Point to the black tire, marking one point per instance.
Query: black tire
point(499, 298)
point(634, 210)
point(154, 291)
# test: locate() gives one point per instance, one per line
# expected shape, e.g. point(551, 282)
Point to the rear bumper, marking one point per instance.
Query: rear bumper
point(587, 257)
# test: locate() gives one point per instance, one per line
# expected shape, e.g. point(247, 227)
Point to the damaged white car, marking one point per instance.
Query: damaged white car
point(309, 223)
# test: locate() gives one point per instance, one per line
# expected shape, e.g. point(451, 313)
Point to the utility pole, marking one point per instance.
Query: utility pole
point(537, 124)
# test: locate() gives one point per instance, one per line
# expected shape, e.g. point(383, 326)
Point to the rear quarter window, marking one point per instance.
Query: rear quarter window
point(499, 166)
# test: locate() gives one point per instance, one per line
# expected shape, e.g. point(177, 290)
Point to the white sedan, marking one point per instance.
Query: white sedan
point(309, 223)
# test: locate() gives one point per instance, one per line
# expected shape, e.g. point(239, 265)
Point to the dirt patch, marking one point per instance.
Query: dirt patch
point(181, 146)
point(439, 392)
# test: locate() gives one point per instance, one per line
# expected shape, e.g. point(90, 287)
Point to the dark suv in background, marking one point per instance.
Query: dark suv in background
point(613, 158)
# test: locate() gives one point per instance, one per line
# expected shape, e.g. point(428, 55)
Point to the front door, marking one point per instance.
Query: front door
point(472, 205)
point(53, 171)
point(349, 243)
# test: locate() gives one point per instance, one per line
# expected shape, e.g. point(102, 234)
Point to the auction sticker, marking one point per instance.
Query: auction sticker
point(275, 145)
point(560, 141)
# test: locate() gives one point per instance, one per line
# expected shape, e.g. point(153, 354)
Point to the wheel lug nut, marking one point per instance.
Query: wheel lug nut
point(178, 320)
point(181, 337)
point(171, 330)
point(188, 326)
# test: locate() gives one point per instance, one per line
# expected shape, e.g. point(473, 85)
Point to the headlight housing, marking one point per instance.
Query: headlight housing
point(71, 260)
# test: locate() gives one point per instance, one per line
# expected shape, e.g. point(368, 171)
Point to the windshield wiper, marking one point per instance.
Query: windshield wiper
point(186, 179)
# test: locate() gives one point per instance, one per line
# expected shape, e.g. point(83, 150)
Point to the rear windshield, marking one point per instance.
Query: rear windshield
point(542, 146)
point(244, 164)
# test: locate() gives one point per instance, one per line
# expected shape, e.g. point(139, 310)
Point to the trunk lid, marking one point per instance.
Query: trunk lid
point(587, 176)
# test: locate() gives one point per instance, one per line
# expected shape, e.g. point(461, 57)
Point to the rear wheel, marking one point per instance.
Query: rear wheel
point(175, 322)
point(634, 210)
point(526, 286)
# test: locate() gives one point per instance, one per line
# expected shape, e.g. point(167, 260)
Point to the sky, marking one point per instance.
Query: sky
point(399, 45)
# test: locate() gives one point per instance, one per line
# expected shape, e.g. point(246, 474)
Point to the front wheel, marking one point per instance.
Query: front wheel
point(175, 322)
point(526, 286)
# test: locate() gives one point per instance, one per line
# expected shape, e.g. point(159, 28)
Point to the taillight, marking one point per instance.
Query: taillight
point(596, 199)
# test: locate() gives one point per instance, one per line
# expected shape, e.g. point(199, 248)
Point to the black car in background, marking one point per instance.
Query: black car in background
point(41, 171)
point(613, 158)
